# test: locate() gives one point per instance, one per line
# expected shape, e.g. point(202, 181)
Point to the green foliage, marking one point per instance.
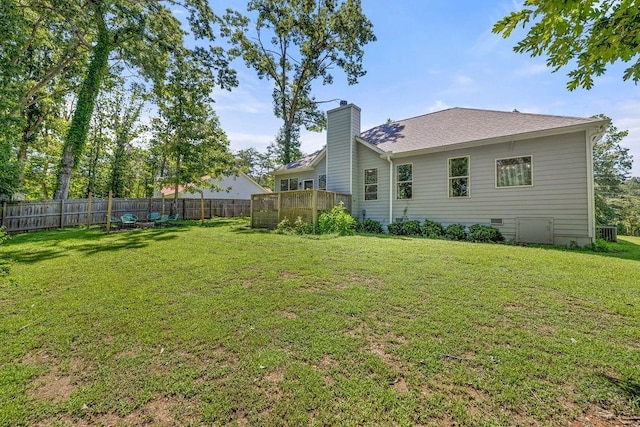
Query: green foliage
point(3, 234)
point(455, 232)
point(484, 233)
point(432, 229)
point(303, 227)
point(405, 228)
point(295, 43)
point(370, 225)
point(611, 167)
point(337, 221)
point(588, 35)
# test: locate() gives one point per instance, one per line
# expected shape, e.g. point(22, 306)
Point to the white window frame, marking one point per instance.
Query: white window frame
point(468, 176)
point(325, 182)
point(399, 182)
point(289, 183)
point(304, 182)
point(364, 184)
point(495, 171)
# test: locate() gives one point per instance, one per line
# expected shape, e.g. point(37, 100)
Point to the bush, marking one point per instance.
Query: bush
point(405, 228)
point(337, 221)
point(455, 232)
point(302, 227)
point(3, 234)
point(485, 233)
point(371, 226)
point(432, 229)
point(284, 226)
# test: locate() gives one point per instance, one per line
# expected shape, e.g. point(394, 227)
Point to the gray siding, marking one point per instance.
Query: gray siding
point(376, 209)
point(320, 169)
point(341, 127)
point(559, 188)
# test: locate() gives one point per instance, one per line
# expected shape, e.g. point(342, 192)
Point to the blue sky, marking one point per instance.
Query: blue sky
point(432, 55)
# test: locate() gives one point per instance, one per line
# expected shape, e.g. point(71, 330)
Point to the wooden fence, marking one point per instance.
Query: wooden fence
point(26, 216)
point(267, 210)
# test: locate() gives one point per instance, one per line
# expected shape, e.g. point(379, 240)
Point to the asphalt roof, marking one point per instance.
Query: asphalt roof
point(458, 125)
point(454, 126)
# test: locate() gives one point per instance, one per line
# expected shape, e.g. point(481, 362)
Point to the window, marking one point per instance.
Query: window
point(322, 182)
point(459, 177)
point(307, 184)
point(289, 184)
point(404, 181)
point(514, 172)
point(371, 184)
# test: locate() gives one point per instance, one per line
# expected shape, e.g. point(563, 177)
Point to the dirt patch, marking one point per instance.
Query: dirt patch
point(288, 275)
point(400, 385)
point(55, 384)
point(289, 315)
point(275, 376)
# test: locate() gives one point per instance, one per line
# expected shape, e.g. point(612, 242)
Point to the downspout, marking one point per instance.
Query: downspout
point(390, 187)
point(592, 138)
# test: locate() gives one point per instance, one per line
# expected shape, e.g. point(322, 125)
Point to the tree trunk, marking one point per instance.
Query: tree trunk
point(77, 135)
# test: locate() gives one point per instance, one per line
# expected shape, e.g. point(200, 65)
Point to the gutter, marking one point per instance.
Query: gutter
point(390, 187)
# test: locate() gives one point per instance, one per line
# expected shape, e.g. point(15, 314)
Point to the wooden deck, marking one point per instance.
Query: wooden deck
point(267, 210)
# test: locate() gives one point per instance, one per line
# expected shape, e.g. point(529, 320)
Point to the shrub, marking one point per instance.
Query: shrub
point(371, 226)
point(455, 232)
point(432, 229)
point(284, 226)
point(302, 227)
point(337, 221)
point(484, 233)
point(405, 228)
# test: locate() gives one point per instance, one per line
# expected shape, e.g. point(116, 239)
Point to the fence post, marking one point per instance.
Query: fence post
point(4, 213)
point(109, 211)
point(89, 209)
point(184, 207)
point(202, 207)
point(279, 207)
point(61, 213)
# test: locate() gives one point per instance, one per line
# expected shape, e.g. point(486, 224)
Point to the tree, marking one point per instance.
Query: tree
point(187, 131)
point(611, 167)
point(628, 207)
point(142, 34)
point(294, 43)
point(257, 165)
point(588, 34)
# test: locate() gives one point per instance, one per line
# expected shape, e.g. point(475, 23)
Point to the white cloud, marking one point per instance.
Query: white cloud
point(241, 141)
point(532, 70)
point(437, 106)
point(462, 80)
point(241, 101)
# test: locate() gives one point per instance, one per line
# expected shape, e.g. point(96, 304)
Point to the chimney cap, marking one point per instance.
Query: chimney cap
point(343, 102)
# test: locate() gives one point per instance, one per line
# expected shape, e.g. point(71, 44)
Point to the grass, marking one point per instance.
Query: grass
point(223, 325)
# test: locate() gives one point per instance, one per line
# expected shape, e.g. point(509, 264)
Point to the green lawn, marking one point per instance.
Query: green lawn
point(225, 325)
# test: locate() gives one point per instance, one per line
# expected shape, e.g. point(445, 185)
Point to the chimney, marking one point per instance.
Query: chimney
point(343, 124)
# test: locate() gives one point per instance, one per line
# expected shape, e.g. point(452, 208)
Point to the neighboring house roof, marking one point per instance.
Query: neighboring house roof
point(459, 125)
point(170, 189)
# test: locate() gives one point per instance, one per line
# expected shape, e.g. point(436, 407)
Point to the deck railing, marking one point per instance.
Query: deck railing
point(267, 210)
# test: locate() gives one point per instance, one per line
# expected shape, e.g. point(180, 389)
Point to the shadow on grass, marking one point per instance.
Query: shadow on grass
point(628, 386)
point(60, 243)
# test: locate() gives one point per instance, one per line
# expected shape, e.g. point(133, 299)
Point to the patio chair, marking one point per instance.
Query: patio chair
point(173, 217)
point(153, 216)
point(128, 220)
point(163, 219)
point(115, 221)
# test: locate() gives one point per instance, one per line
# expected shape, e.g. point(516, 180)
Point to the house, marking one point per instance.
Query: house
point(240, 187)
point(529, 175)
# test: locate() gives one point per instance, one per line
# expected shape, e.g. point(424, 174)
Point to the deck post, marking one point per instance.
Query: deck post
point(61, 213)
point(279, 207)
point(314, 207)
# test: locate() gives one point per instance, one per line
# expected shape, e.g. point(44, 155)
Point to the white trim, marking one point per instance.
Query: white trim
point(304, 181)
point(590, 140)
point(316, 159)
point(468, 176)
point(390, 187)
point(370, 145)
point(351, 157)
point(398, 182)
point(364, 184)
point(495, 172)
